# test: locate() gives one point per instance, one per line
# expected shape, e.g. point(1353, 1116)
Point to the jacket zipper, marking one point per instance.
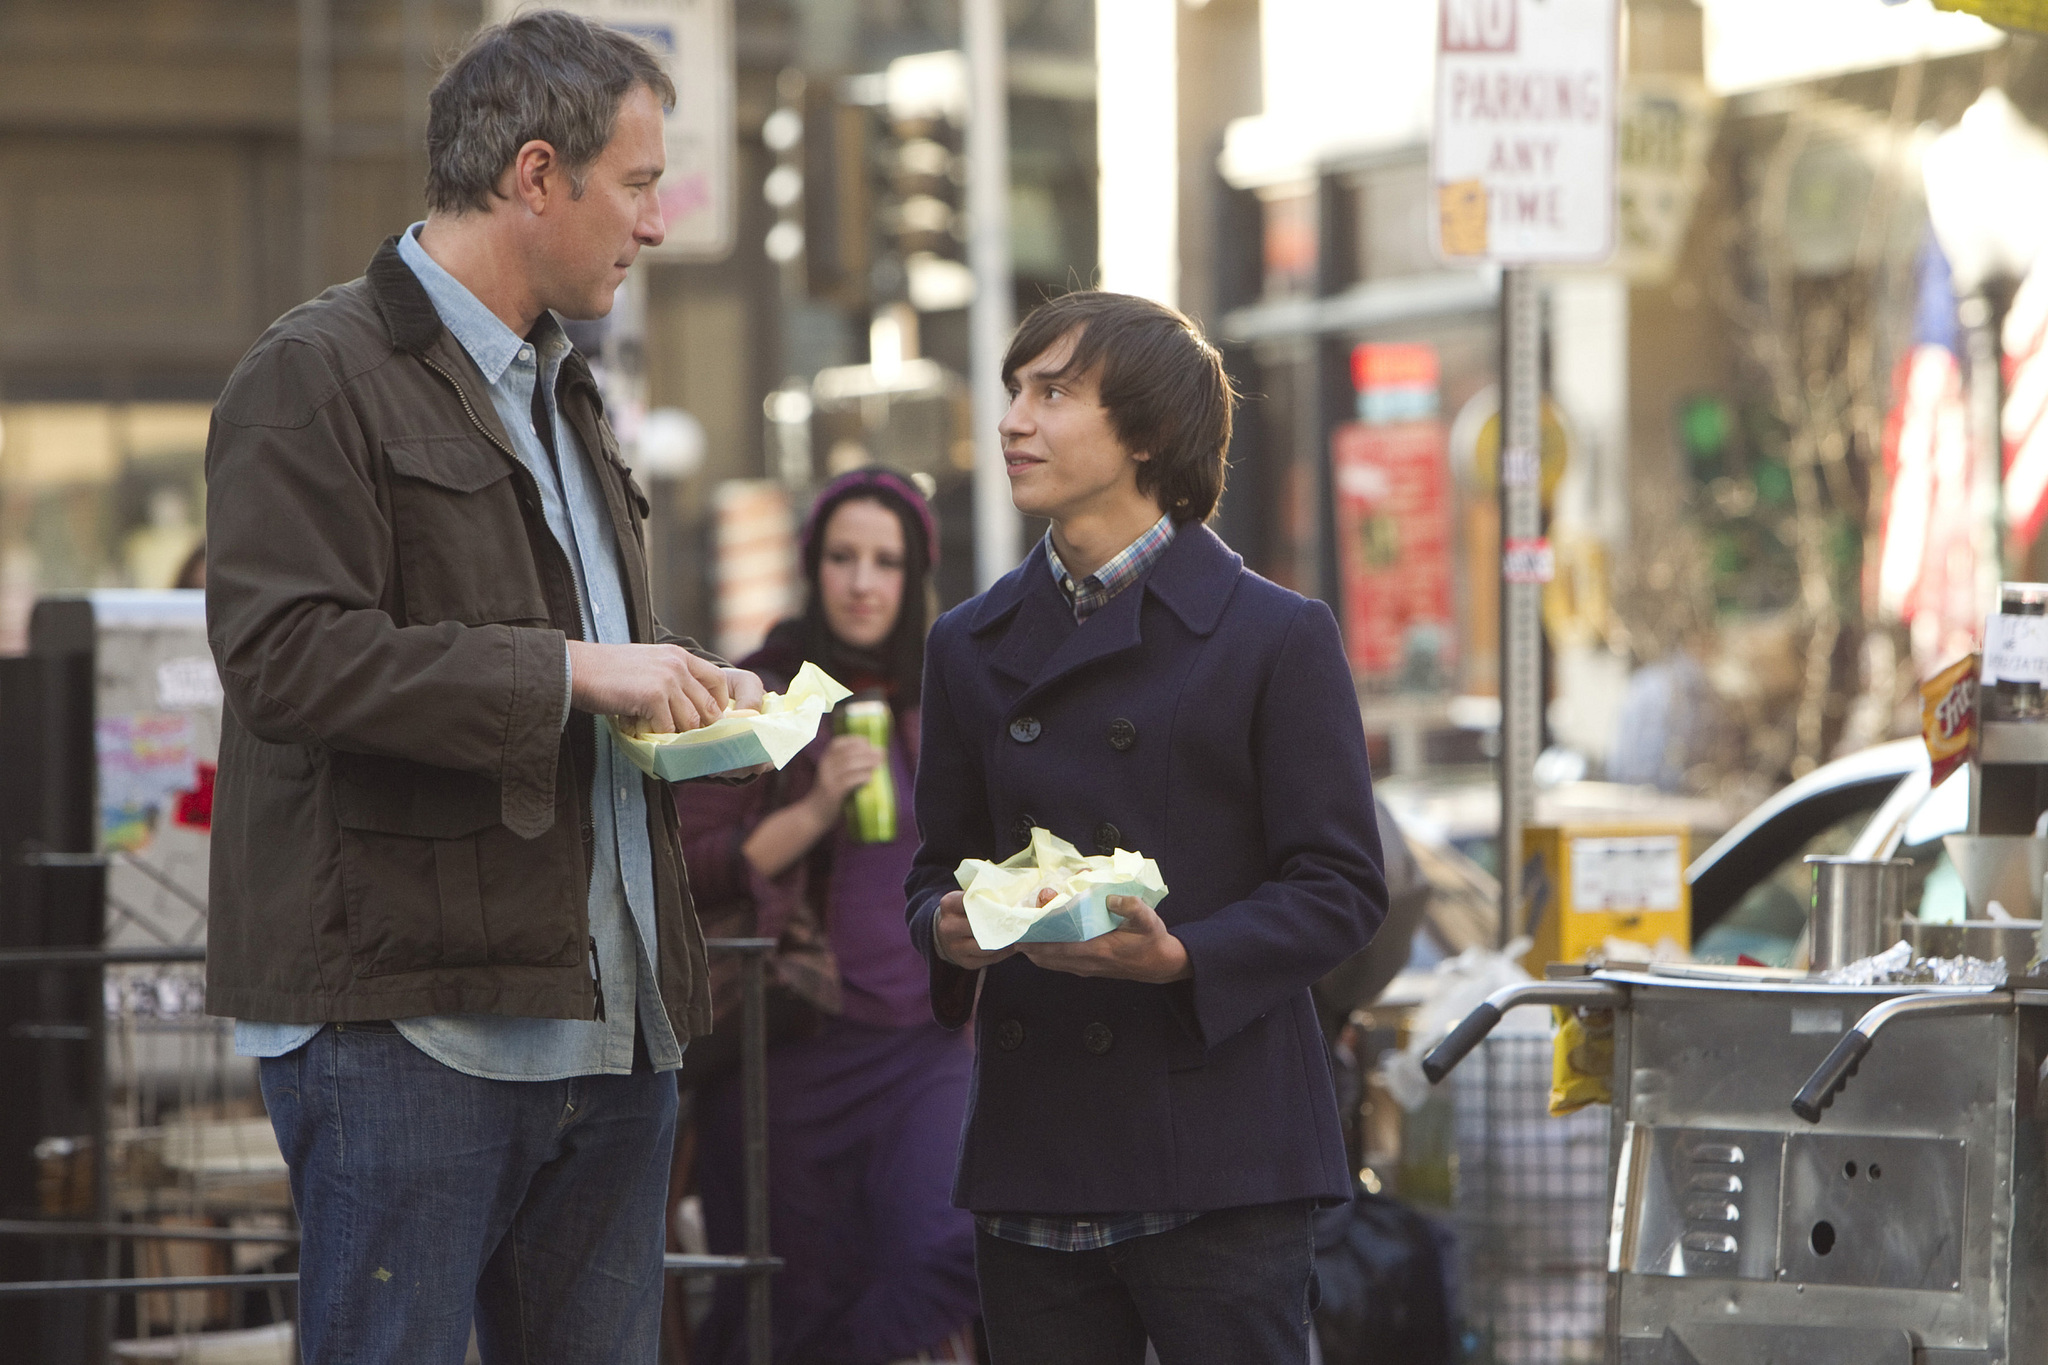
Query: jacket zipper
point(562, 559)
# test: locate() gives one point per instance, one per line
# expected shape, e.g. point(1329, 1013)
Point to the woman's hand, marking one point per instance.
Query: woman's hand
point(785, 835)
point(848, 762)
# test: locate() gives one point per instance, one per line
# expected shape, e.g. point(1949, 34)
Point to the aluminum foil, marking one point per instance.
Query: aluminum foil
point(1896, 966)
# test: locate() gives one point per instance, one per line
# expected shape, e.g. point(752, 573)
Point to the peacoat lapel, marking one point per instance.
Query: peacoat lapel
point(1042, 644)
point(1033, 616)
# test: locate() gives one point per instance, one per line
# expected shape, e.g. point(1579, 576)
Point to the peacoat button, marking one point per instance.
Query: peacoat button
point(1021, 830)
point(1108, 838)
point(1096, 1038)
point(1009, 1035)
point(1024, 729)
point(1122, 734)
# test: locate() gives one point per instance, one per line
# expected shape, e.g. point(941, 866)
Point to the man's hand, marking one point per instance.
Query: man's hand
point(744, 688)
point(1139, 949)
point(953, 938)
point(663, 689)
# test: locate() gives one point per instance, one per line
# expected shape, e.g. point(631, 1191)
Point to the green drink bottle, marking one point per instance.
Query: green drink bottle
point(871, 807)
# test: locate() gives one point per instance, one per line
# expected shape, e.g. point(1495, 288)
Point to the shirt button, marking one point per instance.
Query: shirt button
point(1122, 734)
point(1024, 729)
point(1009, 1035)
point(1108, 838)
point(622, 793)
point(1098, 1039)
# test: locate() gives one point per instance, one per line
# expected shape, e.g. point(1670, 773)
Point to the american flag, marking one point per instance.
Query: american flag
point(2026, 403)
point(1927, 571)
point(1927, 568)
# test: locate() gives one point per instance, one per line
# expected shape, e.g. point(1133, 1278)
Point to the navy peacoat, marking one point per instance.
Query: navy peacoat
point(1206, 719)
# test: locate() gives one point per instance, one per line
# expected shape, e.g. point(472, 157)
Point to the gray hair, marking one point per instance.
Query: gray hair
point(546, 75)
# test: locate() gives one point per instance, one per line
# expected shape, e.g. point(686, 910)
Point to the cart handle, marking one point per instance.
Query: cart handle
point(1473, 1028)
point(1825, 1083)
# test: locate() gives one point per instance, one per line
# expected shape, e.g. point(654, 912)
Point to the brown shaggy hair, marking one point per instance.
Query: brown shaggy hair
point(1160, 380)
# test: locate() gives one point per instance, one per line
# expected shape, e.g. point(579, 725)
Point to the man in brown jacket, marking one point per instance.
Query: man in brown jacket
point(446, 913)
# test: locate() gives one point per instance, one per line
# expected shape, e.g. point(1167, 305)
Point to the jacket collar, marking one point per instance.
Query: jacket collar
point(415, 324)
point(1193, 580)
point(408, 312)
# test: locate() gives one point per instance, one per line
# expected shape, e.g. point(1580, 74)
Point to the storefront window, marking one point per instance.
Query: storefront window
point(96, 495)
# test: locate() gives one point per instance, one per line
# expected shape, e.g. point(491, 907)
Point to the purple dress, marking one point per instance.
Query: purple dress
point(864, 1118)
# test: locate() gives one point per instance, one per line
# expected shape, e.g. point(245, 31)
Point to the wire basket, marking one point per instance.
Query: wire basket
point(1531, 1210)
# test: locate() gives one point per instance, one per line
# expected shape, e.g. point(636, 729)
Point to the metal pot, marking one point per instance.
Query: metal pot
point(1854, 901)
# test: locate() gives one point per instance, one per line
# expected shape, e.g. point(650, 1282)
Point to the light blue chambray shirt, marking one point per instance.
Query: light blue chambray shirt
point(622, 881)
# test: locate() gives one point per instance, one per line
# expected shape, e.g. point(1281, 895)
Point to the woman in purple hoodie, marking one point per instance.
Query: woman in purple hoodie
point(865, 1092)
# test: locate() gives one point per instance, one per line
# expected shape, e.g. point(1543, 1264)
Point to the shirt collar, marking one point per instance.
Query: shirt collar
point(1125, 567)
point(482, 333)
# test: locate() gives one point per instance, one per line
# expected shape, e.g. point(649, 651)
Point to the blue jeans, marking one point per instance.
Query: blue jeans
point(429, 1197)
point(1234, 1287)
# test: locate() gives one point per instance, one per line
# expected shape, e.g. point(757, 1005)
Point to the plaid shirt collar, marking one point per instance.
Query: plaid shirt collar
point(1126, 567)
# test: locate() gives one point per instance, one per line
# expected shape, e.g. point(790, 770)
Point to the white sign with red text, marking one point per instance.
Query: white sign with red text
point(1523, 155)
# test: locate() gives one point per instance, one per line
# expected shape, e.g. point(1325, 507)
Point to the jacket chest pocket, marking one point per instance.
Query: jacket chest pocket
point(461, 540)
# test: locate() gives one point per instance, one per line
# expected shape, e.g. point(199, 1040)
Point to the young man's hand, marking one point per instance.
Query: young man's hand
point(665, 688)
point(1139, 949)
point(953, 937)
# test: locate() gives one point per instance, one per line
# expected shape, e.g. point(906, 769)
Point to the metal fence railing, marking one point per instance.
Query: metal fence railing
point(1531, 1209)
point(756, 1263)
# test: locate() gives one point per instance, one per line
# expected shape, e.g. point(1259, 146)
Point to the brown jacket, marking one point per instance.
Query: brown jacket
point(401, 820)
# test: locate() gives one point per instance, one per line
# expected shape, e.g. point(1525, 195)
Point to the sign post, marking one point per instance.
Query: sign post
point(1523, 168)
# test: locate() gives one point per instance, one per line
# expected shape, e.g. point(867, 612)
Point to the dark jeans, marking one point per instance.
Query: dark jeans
point(428, 1196)
point(1234, 1287)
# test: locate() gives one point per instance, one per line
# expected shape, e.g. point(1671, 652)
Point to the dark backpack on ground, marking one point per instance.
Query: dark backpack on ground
point(1386, 1297)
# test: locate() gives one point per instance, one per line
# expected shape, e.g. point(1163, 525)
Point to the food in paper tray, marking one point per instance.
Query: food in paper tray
point(742, 737)
point(1002, 898)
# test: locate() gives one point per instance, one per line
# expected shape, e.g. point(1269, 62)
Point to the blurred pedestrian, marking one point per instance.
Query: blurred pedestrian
point(446, 913)
point(865, 1092)
point(1670, 725)
point(1153, 1119)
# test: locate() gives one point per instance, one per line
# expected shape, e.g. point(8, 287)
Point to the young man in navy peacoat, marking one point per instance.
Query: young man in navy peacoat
point(1153, 1119)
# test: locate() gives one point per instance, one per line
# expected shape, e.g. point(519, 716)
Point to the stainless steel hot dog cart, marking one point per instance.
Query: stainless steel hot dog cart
point(1899, 1218)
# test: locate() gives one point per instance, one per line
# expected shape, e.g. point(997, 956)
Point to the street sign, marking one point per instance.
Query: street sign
point(694, 38)
point(1523, 156)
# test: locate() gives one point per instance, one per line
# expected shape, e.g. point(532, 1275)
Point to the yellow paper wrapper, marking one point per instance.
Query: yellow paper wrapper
point(1002, 898)
point(786, 722)
point(1581, 1060)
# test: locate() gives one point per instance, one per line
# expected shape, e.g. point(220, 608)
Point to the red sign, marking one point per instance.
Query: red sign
point(1528, 561)
point(1393, 365)
point(1394, 549)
